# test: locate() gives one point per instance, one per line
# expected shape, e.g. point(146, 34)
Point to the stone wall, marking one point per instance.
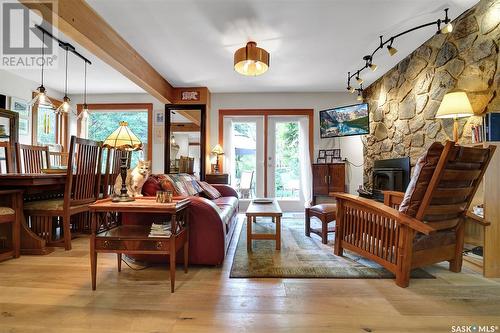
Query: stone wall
point(404, 101)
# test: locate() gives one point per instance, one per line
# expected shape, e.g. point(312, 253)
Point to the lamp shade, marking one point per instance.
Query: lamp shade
point(123, 138)
point(251, 60)
point(455, 104)
point(218, 150)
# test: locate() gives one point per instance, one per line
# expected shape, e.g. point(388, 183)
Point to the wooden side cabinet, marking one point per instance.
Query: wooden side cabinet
point(328, 178)
point(217, 178)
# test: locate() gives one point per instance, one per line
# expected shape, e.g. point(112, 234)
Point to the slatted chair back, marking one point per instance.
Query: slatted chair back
point(453, 185)
point(113, 163)
point(84, 172)
point(32, 159)
point(6, 165)
point(58, 158)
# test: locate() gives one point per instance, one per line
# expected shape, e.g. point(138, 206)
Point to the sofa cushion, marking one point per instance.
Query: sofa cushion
point(181, 184)
point(209, 191)
point(440, 238)
point(422, 174)
point(324, 209)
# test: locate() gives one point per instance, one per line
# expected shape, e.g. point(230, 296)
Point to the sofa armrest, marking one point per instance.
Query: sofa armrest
point(226, 190)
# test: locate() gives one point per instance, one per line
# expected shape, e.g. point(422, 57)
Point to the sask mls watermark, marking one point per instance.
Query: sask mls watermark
point(23, 45)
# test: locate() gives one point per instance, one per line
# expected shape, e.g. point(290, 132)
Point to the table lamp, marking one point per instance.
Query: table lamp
point(455, 105)
point(123, 139)
point(217, 151)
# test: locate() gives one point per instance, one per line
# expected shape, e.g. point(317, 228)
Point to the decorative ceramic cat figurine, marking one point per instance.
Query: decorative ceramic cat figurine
point(135, 179)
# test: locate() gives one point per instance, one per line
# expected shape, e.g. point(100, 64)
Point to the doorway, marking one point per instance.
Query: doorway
point(267, 154)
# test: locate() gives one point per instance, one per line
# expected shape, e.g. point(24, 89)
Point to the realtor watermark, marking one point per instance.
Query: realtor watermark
point(474, 329)
point(21, 39)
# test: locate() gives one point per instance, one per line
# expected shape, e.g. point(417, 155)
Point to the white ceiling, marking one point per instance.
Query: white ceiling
point(313, 43)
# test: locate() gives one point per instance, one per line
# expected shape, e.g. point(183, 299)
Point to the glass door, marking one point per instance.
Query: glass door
point(283, 162)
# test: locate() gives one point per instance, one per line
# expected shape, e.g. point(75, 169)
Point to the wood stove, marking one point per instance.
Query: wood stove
point(390, 175)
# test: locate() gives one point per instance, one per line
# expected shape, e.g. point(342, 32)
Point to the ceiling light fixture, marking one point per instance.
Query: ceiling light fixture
point(65, 107)
point(85, 108)
point(251, 60)
point(41, 96)
point(392, 50)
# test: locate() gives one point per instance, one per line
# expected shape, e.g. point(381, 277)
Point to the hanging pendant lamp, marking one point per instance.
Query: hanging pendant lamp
point(41, 97)
point(65, 107)
point(84, 114)
point(251, 60)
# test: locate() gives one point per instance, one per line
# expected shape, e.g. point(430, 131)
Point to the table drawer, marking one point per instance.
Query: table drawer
point(131, 245)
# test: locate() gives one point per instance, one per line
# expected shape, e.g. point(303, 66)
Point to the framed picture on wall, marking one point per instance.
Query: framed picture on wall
point(159, 118)
point(20, 106)
point(24, 126)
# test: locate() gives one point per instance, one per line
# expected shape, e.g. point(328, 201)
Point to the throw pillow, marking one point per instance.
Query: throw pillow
point(210, 191)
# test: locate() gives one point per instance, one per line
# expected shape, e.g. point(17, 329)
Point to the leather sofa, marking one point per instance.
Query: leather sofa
point(211, 224)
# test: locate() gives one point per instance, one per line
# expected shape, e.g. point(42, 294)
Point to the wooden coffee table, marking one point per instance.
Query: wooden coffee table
point(272, 210)
point(134, 239)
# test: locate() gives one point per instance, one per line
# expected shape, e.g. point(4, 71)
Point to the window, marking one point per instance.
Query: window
point(46, 129)
point(103, 119)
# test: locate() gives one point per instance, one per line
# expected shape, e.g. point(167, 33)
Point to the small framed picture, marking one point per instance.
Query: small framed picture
point(24, 126)
point(159, 118)
point(20, 106)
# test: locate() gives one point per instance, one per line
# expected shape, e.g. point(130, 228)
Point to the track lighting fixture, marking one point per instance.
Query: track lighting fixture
point(360, 96)
point(447, 28)
point(351, 89)
point(84, 114)
point(41, 96)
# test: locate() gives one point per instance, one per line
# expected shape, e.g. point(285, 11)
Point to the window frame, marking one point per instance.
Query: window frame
point(112, 107)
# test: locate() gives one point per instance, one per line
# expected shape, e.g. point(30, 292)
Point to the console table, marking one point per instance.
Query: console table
point(134, 239)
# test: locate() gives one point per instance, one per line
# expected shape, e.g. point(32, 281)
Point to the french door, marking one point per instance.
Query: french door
point(264, 156)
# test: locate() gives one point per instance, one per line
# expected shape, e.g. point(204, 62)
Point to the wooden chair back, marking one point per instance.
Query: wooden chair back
point(84, 172)
point(32, 159)
point(453, 185)
point(113, 163)
point(186, 165)
point(6, 165)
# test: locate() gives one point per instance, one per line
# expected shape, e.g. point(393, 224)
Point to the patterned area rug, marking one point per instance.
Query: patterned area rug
point(301, 256)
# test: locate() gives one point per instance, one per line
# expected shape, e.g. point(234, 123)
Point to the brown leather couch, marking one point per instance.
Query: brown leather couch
point(211, 223)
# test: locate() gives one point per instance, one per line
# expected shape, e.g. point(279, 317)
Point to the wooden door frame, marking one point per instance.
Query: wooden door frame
point(123, 106)
point(203, 133)
point(266, 113)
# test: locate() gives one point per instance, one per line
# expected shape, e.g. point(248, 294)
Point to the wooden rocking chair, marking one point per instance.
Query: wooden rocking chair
point(428, 227)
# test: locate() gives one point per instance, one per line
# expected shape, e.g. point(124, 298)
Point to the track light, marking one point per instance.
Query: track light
point(65, 107)
point(351, 89)
point(41, 97)
point(359, 79)
point(447, 28)
point(392, 50)
point(360, 97)
point(373, 67)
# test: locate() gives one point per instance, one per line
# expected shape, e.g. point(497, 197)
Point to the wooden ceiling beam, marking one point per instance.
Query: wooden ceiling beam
point(77, 20)
point(184, 127)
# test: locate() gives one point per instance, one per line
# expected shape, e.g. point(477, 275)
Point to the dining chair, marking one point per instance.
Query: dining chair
point(6, 165)
point(11, 202)
point(81, 190)
point(32, 159)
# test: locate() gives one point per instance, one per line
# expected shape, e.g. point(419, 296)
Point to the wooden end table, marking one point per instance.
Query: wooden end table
point(272, 210)
point(134, 239)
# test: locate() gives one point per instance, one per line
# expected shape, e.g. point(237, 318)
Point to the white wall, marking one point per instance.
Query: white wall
point(15, 86)
point(352, 147)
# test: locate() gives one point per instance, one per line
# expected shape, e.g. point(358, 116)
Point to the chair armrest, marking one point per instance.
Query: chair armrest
point(382, 210)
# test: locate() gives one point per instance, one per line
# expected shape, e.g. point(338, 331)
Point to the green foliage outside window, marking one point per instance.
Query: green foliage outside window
point(102, 124)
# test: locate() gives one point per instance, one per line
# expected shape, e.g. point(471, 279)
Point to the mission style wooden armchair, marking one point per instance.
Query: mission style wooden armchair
point(82, 188)
point(428, 227)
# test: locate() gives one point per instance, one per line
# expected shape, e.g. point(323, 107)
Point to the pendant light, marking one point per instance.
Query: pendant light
point(41, 97)
point(65, 107)
point(251, 60)
point(85, 109)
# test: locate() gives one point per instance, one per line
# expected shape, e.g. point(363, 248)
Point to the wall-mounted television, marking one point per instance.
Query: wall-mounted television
point(344, 121)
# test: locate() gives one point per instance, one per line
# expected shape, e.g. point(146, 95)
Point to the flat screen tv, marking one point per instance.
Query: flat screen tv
point(344, 121)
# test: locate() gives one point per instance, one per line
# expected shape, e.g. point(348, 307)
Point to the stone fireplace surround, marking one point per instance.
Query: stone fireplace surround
point(404, 101)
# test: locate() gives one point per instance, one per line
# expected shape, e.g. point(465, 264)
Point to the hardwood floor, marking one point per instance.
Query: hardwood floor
point(52, 293)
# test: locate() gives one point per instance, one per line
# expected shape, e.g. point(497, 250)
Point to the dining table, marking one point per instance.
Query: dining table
point(35, 186)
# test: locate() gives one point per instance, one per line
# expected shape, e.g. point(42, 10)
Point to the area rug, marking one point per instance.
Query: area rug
point(301, 257)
